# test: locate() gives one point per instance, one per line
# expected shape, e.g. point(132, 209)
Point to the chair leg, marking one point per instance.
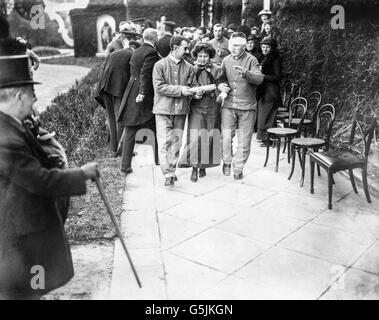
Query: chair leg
point(365, 185)
point(300, 160)
point(352, 180)
point(318, 167)
point(285, 144)
point(303, 150)
point(267, 152)
point(293, 153)
point(289, 150)
point(333, 180)
point(277, 154)
point(312, 165)
point(330, 189)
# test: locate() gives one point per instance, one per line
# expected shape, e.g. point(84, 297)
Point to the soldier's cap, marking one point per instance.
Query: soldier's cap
point(15, 71)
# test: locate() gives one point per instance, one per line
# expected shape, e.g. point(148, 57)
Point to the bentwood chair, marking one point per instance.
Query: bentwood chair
point(288, 96)
point(298, 109)
point(324, 123)
point(314, 101)
point(356, 155)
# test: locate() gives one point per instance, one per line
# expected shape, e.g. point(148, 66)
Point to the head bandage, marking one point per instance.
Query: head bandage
point(240, 41)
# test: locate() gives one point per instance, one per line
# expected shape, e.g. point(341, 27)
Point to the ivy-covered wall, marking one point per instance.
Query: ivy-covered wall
point(342, 64)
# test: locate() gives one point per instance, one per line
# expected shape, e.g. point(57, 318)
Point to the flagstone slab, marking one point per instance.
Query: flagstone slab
point(262, 227)
point(240, 195)
point(369, 260)
point(282, 274)
point(188, 280)
point(204, 211)
point(124, 285)
point(220, 250)
point(291, 206)
point(354, 285)
point(174, 230)
point(336, 246)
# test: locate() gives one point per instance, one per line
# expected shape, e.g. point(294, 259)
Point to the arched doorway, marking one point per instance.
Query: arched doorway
point(105, 26)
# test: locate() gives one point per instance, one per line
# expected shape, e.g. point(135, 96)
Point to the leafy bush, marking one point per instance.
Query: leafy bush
point(78, 120)
point(44, 51)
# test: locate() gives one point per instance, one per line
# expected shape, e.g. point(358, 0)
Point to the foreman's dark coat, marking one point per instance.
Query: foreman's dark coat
point(269, 98)
point(115, 75)
point(141, 65)
point(163, 45)
point(31, 228)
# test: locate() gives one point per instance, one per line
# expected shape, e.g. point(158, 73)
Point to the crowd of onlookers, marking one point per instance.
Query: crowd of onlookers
point(220, 79)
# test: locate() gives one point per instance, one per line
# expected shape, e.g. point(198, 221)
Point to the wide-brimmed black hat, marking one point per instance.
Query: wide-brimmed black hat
point(14, 71)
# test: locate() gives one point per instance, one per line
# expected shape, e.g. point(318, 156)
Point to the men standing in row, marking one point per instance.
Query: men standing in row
point(238, 113)
point(137, 104)
point(113, 81)
point(172, 79)
point(219, 43)
point(163, 45)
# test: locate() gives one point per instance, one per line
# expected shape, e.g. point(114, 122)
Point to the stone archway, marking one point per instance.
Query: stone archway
point(102, 31)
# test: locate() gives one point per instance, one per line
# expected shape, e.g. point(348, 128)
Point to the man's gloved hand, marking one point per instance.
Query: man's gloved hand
point(90, 170)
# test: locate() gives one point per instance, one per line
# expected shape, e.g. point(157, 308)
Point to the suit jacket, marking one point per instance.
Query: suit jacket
point(31, 228)
point(115, 75)
point(114, 46)
point(141, 82)
point(163, 45)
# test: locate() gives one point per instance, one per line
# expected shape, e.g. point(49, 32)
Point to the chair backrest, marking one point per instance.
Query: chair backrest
point(324, 122)
point(290, 93)
point(362, 132)
point(314, 102)
point(298, 109)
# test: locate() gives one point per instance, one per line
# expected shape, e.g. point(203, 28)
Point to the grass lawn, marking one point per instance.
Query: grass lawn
point(82, 131)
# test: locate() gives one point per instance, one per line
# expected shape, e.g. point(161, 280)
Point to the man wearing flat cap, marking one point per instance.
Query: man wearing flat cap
point(163, 45)
point(32, 236)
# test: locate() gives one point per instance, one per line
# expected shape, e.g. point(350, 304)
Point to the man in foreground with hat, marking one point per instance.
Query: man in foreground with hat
point(35, 256)
point(163, 45)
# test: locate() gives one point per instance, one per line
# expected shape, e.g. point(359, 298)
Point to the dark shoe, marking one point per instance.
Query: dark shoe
point(127, 171)
point(169, 182)
point(238, 175)
point(194, 175)
point(202, 173)
point(134, 154)
point(175, 178)
point(226, 169)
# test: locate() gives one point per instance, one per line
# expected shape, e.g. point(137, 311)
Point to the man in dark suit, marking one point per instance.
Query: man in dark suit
point(113, 81)
point(137, 104)
point(163, 45)
point(33, 242)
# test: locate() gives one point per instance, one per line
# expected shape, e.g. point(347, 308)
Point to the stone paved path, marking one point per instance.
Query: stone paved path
point(260, 238)
point(55, 79)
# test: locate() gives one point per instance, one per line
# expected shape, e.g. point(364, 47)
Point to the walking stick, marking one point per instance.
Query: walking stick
point(118, 231)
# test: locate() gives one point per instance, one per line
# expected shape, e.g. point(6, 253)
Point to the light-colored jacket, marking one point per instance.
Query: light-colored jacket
point(169, 78)
point(243, 89)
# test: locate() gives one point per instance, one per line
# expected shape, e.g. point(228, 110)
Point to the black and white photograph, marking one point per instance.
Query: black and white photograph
point(185, 151)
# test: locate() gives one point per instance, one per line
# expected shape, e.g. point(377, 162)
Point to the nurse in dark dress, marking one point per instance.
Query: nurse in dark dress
point(203, 147)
